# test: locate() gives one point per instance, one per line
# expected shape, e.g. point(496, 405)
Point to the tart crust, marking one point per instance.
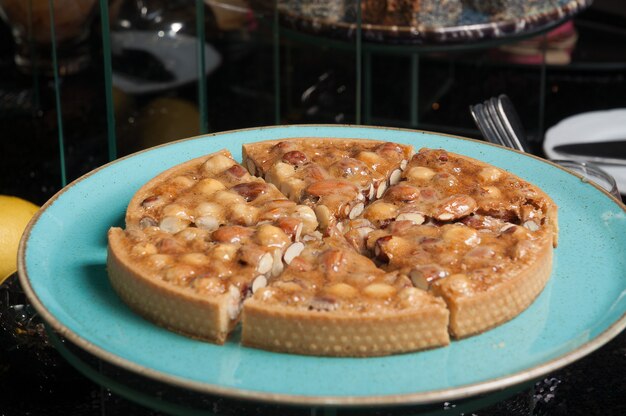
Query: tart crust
point(283, 329)
point(453, 306)
point(175, 308)
point(480, 312)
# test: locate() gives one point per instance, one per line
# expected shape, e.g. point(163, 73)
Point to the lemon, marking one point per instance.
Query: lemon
point(15, 213)
point(166, 119)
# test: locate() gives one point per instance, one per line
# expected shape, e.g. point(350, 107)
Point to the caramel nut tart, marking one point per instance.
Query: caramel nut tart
point(334, 247)
point(331, 300)
point(336, 177)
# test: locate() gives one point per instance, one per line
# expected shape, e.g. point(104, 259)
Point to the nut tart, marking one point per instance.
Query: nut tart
point(330, 300)
point(468, 232)
point(423, 247)
point(337, 177)
point(211, 191)
point(199, 238)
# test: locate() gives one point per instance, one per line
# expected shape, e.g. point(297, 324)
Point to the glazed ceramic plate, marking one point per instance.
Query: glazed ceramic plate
point(62, 269)
point(472, 26)
point(594, 126)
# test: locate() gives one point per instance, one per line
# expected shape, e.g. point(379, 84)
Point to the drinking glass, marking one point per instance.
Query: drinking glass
point(592, 172)
point(30, 20)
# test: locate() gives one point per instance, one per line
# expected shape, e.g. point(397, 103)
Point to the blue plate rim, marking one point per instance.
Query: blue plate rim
point(426, 397)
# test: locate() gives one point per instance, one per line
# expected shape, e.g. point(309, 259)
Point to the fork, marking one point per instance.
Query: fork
point(499, 123)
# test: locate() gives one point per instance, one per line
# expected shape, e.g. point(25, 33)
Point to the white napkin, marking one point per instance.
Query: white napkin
point(595, 126)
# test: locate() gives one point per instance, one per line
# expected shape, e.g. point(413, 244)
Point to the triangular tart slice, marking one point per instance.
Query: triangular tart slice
point(332, 301)
point(338, 177)
point(199, 237)
point(474, 234)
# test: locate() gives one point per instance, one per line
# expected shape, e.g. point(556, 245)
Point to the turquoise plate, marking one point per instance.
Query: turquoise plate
point(62, 269)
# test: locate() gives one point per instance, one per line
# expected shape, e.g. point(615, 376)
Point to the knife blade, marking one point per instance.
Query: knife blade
point(608, 152)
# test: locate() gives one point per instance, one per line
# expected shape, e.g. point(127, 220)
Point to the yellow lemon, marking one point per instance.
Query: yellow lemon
point(14, 215)
point(166, 119)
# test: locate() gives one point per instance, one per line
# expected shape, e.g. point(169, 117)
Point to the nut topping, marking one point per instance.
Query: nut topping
point(489, 174)
point(293, 251)
point(420, 173)
point(277, 265)
point(531, 225)
point(147, 222)
point(151, 202)
point(389, 150)
point(295, 157)
point(237, 171)
point(395, 176)
point(332, 260)
point(455, 207)
point(194, 259)
point(208, 186)
point(217, 164)
point(250, 190)
point(265, 263)
point(252, 170)
point(402, 193)
point(173, 225)
point(232, 234)
point(382, 187)
point(179, 275)
point(445, 180)
point(379, 290)
point(330, 187)
point(342, 290)
point(414, 217)
point(356, 210)
point(283, 146)
point(258, 283)
point(380, 211)
point(350, 169)
point(207, 223)
point(315, 172)
point(170, 246)
point(176, 210)
point(269, 235)
point(423, 276)
point(290, 226)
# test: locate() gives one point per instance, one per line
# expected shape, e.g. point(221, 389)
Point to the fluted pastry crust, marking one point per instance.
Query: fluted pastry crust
point(451, 246)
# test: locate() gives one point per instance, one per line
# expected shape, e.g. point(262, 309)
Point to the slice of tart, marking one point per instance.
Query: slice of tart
point(199, 237)
point(208, 192)
point(478, 236)
point(337, 177)
point(333, 301)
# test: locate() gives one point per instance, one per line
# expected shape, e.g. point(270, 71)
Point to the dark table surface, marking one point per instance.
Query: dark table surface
point(36, 380)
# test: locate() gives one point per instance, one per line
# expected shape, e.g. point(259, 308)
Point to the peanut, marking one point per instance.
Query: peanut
point(208, 186)
point(489, 174)
point(419, 174)
point(217, 164)
point(379, 290)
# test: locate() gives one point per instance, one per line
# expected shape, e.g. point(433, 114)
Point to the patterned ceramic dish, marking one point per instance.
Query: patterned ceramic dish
point(473, 28)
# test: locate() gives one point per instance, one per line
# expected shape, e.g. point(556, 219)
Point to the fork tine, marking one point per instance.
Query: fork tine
point(510, 120)
point(495, 118)
point(483, 125)
point(488, 120)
